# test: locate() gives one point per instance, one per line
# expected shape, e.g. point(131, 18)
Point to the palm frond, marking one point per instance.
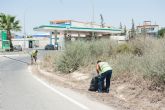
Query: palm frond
point(8, 22)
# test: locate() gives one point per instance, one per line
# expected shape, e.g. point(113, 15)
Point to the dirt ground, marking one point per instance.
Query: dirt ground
point(126, 93)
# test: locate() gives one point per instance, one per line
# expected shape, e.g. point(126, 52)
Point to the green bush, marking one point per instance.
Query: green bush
point(124, 58)
point(138, 46)
point(73, 57)
point(161, 33)
point(124, 48)
point(82, 53)
point(96, 49)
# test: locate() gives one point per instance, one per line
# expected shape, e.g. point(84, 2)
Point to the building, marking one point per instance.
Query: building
point(71, 30)
point(148, 29)
point(34, 41)
point(26, 42)
point(38, 40)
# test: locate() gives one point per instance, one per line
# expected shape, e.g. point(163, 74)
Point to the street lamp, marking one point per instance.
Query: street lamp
point(24, 33)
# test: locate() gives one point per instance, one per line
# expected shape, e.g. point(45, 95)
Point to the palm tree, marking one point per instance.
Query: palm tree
point(9, 23)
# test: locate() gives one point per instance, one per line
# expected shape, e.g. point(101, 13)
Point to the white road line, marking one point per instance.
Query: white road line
point(1, 55)
point(58, 92)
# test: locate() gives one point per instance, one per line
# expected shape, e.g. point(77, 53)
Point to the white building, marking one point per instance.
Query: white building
point(35, 41)
point(148, 28)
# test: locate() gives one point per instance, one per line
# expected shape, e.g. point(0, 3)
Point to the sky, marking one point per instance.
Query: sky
point(33, 13)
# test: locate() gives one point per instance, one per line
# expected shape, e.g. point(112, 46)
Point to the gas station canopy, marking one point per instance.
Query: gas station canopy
point(51, 28)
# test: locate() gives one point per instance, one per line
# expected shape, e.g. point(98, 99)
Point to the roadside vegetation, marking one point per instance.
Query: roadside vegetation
point(161, 33)
point(138, 69)
point(140, 56)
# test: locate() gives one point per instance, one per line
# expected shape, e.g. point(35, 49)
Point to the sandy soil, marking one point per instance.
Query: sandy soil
point(127, 92)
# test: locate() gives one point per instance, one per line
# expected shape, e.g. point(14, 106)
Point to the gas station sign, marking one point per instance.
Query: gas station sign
point(5, 42)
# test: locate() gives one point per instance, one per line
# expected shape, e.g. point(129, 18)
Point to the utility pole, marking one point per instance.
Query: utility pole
point(121, 27)
point(92, 22)
point(24, 33)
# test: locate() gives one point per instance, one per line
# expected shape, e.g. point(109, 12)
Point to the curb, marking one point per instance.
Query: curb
point(54, 76)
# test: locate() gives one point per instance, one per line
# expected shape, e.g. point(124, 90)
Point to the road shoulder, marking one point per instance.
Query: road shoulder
point(58, 81)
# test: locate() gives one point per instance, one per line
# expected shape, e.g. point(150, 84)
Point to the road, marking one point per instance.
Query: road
point(19, 90)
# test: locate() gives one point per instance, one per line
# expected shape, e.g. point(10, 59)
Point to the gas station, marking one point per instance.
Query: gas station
point(62, 31)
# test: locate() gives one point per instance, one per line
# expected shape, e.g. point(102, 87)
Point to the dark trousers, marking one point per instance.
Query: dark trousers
point(33, 57)
point(107, 75)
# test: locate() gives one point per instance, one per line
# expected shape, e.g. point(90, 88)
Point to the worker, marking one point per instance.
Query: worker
point(34, 56)
point(104, 71)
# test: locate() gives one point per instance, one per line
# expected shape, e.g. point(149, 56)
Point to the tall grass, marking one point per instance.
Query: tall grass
point(154, 62)
point(148, 60)
point(145, 56)
point(73, 56)
point(82, 53)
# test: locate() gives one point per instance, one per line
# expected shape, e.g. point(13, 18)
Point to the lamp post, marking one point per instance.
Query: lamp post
point(24, 33)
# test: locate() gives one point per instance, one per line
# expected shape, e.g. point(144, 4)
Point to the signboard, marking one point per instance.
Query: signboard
point(4, 35)
point(5, 42)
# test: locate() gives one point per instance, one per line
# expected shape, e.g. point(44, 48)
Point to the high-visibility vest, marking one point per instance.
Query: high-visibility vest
point(104, 66)
point(34, 53)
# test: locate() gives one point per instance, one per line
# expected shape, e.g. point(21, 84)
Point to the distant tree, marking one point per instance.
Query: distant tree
point(161, 32)
point(133, 32)
point(29, 36)
point(102, 20)
point(9, 23)
point(125, 30)
point(121, 27)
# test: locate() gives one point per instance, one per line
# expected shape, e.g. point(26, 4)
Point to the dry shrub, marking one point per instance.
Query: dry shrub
point(144, 56)
point(123, 48)
point(151, 63)
point(49, 60)
point(154, 63)
point(74, 55)
point(126, 63)
point(82, 53)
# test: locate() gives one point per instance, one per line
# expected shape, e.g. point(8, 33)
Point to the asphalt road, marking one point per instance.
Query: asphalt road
point(20, 90)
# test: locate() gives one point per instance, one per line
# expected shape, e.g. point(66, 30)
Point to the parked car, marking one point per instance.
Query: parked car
point(49, 47)
point(17, 48)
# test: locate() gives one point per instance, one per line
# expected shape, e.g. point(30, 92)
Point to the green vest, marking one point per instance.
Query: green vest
point(34, 53)
point(104, 66)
